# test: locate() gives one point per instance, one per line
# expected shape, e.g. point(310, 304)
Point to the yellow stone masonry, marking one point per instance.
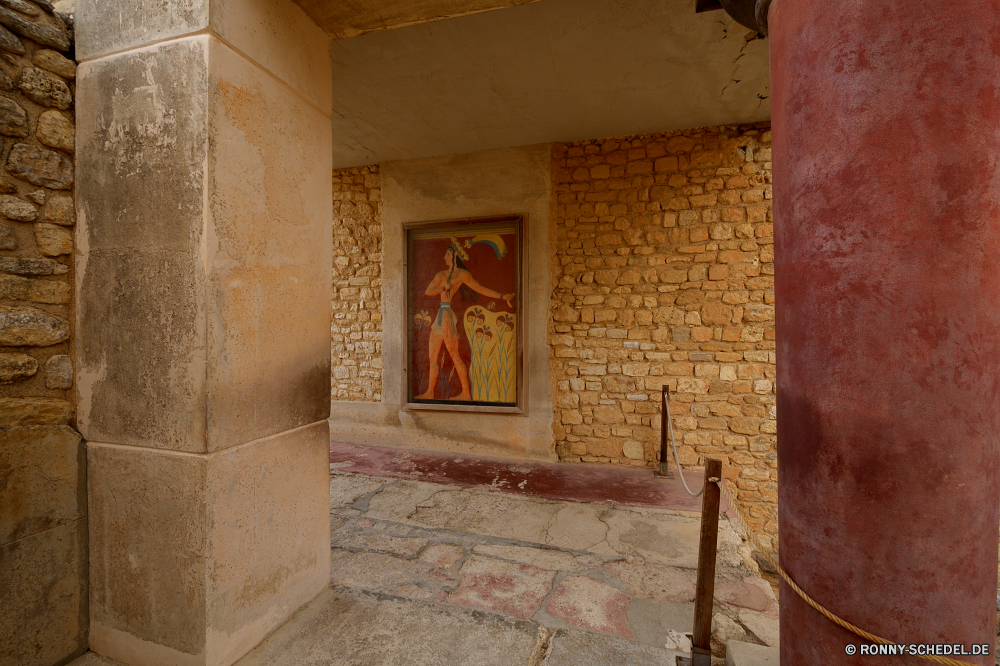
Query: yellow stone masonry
point(356, 330)
point(664, 275)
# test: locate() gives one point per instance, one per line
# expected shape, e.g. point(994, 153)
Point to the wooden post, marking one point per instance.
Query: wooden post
point(701, 638)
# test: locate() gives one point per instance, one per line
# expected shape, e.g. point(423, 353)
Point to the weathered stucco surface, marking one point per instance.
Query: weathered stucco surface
point(499, 182)
point(143, 157)
point(43, 584)
point(196, 558)
point(270, 203)
point(103, 27)
point(557, 70)
point(204, 252)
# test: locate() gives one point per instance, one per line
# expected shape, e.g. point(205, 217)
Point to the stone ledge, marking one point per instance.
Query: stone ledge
point(747, 654)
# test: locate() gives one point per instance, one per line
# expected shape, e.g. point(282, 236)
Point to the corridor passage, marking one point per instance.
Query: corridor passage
point(453, 574)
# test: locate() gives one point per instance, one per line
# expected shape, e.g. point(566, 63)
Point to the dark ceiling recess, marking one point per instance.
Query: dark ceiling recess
point(749, 13)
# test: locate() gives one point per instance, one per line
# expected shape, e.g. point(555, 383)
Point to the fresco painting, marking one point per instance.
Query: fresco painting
point(463, 283)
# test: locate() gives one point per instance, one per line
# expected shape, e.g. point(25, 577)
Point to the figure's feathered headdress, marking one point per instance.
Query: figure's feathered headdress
point(493, 240)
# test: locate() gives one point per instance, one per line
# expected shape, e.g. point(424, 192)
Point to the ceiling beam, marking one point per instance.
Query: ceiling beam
point(348, 18)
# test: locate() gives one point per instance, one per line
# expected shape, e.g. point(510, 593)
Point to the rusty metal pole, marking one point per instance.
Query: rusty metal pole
point(701, 637)
point(663, 472)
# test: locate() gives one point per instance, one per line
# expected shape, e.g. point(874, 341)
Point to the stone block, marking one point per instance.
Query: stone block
point(53, 240)
point(59, 372)
point(632, 450)
point(45, 89)
point(15, 367)
point(165, 181)
point(279, 36)
point(45, 29)
point(10, 43)
point(43, 584)
point(268, 343)
point(8, 239)
point(17, 209)
point(202, 550)
point(44, 168)
point(56, 131)
point(36, 197)
point(60, 209)
point(44, 480)
point(136, 22)
point(21, 266)
point(34, 411)
point(40, 291)
point(55, 62)
point(25, 326)
point(156, 167)
point(739, 653)
point(13, 118)
point(26, 8)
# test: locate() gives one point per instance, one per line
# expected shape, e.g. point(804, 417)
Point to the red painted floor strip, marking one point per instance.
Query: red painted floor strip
point(574, 482)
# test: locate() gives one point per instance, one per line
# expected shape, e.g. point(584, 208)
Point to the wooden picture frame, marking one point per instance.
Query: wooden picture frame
point(457, 273)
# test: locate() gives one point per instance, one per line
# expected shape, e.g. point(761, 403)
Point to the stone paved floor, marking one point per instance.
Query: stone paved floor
point(613, 570)
point(442, 574)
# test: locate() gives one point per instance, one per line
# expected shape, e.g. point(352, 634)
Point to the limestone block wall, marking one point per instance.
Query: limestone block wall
point(664, 275)
point(43, 531)
point(356, 331)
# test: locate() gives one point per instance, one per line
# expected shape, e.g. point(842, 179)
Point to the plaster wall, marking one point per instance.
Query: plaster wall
point(204, 362)
point(490, 183)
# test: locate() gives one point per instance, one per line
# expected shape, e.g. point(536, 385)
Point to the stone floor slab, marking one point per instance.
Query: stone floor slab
point(543, 558)
point(660, 623)
point(656, 538)
point(578, 527)
point(497, 585)
point(491, 514)
point(569, 647)
point(373, 571)
point(94, 659)
point(764, 627)
point(648, 581)
point(352, 628)
point(407, 546)
point(346, 489)
point(588, 603)
point(747, 654)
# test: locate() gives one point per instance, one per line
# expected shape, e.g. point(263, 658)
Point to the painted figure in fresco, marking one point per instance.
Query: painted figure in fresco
point(455, 280)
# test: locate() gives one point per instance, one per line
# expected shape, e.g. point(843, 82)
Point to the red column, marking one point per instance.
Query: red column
point(886, 140)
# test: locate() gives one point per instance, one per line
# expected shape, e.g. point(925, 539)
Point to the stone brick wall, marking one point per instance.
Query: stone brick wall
point(43, 525)
point(664, 276)
point(356, 331)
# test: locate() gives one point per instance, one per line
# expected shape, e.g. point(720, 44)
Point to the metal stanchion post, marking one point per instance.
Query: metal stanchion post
point(663, 472)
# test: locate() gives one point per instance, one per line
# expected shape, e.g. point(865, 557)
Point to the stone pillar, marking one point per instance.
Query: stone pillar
point(886, 122)
point(203, 317)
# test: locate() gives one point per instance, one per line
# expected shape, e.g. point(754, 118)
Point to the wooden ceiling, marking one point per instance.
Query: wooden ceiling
point(347, 18)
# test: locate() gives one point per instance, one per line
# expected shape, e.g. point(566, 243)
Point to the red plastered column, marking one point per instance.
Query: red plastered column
point(886, 144)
